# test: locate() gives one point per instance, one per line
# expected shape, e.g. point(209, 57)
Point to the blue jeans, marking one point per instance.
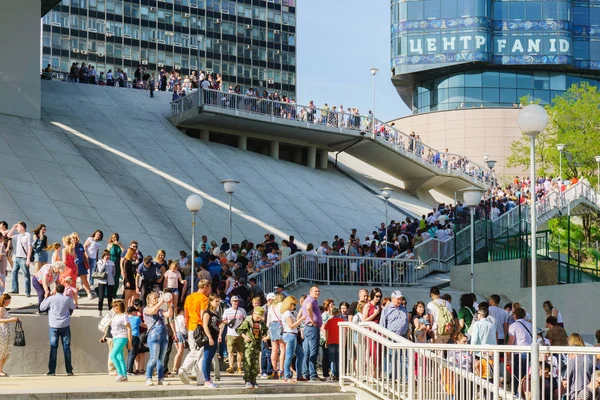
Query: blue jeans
point(65, 336)
point(311, 351)
point(299, 359)
point(265, 359)
point(157, 344)
point(209, 353)
point(21, 264)
point(290, 348)
point(92, 262)
point(334, 358)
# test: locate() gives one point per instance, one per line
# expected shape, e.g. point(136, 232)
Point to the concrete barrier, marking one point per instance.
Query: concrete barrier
point(87, 354)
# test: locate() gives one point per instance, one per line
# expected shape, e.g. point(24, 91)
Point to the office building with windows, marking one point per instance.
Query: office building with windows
point(451, 56)
point(248, 42)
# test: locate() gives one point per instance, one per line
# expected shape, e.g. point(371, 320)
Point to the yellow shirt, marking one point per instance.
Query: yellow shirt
point(194, 305)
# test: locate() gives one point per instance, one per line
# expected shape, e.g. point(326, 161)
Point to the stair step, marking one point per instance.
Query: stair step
point(228, 390)
point(253, 395)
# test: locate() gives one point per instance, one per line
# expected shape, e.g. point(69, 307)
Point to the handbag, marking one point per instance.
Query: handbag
point(100, 275)
point(19, 335)
point(144, 336)
point(200, 337)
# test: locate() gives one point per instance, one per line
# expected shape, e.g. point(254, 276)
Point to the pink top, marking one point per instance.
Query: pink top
point(71, 292)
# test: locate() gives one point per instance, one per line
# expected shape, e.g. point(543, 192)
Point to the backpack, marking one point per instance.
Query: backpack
point(104, 323)
point(445, 320)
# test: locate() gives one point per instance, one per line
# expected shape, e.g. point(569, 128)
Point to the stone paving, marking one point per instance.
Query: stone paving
point(104, 386)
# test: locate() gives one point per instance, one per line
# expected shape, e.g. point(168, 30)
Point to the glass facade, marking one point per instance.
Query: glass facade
point(491, 52)
point(248, 42)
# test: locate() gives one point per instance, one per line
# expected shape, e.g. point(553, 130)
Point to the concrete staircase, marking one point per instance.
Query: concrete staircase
point(231, 389)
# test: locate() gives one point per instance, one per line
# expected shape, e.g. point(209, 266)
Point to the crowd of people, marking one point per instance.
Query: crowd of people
point(155, 308)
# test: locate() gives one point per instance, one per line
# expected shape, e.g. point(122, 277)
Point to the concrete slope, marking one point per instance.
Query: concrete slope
point(107, 158)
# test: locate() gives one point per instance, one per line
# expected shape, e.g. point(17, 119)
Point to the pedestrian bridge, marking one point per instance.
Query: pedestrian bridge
point(306, 135)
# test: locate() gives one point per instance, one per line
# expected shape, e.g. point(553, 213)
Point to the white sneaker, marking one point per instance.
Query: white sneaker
point(149, 382)
point(90, 296)
point(183, 375)
point(162, 382)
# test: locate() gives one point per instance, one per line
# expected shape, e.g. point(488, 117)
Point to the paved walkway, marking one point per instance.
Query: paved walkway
point(104, 386)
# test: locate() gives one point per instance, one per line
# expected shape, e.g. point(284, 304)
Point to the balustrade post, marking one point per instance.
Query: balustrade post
point(327, 268)
point(411, 367)
point(496, 375)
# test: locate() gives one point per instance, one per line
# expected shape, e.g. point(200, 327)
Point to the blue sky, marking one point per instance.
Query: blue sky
point(338, 42)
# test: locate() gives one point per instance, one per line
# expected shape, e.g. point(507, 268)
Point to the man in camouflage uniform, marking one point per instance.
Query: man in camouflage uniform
point(253, 330)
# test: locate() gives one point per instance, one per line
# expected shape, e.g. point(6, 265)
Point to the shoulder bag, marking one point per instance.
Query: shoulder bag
point(19, 335)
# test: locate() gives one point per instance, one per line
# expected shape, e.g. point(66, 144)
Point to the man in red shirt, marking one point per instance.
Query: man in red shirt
point(332, 337)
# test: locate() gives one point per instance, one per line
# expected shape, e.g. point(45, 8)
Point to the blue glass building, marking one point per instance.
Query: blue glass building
point(452, 53)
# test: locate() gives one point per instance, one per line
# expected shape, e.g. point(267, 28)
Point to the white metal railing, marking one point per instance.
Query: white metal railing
point(339, 270)
point(408, 145)
point(392, 367)
point(555, 202)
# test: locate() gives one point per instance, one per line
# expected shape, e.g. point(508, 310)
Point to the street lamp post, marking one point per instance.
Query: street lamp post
point(560, 147)
point(374, 72)
point(597, 158)
point(229, 185)
point(472, 197)
point(386, 192)
point(491, 164)
point(194, 204)
point(532, 120)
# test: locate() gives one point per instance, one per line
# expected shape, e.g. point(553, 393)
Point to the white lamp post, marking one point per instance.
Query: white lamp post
point(229, 185)
point(560, 147)
point(532, 120)
point(193, 203)
point(597, 158)
point(374, 72)
point(472, 197)
point(386, 192)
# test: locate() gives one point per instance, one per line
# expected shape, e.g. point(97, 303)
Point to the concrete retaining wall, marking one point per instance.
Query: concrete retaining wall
point(574, 301)
point(87, 354)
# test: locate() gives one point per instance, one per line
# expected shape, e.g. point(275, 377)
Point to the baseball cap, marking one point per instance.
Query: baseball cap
point(271, 296)
point(259, 310)
point(280, 286)
point(244, 251)
point(235, 298)
point(423, 321)
point(396, 294)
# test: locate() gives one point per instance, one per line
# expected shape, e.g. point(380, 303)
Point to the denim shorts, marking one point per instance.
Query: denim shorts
point(276, 331)
point(181, 337)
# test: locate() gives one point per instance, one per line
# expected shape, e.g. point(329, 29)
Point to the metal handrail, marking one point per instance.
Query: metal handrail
point(392, 367)
point(382, 132)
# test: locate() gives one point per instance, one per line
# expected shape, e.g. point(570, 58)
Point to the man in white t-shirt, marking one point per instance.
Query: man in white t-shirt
point(22, 247)
point(232, 318)
point(432, 313)
point(500, 316)
point(520, 334)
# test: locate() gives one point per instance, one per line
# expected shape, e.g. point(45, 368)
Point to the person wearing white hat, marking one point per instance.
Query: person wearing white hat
point(233, 318)
point(395, 318)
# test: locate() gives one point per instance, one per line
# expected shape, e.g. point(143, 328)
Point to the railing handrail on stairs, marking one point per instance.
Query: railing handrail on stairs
point(391, 367)
point(395, 139)
point(436, 254)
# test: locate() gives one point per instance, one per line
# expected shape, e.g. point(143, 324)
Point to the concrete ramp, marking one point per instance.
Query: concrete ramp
point(108, 158)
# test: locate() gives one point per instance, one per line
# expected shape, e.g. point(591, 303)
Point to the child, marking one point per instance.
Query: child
point(421, 331)
point(181, 333)
point(135, 321)
point(332, 337)
point(105, 287)
point(173, 277)
point(71, 291)
point(57, 252)
point(253, 330)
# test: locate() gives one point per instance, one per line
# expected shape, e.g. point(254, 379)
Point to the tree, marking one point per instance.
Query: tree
point(574, 119)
